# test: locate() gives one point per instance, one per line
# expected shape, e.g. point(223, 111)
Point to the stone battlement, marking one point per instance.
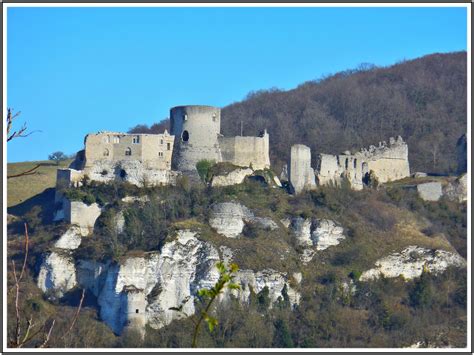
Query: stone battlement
point(395, 149)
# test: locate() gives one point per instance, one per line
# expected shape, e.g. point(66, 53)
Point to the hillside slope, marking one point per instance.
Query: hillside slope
point(22, 188)
point(423, 100)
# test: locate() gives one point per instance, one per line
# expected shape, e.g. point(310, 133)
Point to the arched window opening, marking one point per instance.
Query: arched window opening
point(136, 139)
point(185, 136)
point(106, 152)
point(347, 163)
point(136, 311)
point(355, 163)
point(128, 151)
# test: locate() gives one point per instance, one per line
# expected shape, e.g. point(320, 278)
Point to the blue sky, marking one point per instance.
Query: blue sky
point(77, 70)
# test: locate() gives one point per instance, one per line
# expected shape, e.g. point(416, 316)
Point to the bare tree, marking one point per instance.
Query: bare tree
point(24, 335)
point(21, 133)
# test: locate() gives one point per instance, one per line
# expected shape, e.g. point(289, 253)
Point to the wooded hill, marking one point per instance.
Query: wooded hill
point(423, 100)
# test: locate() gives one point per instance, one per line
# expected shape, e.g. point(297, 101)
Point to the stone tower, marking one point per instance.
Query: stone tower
point(196, 129)
point(301, 175)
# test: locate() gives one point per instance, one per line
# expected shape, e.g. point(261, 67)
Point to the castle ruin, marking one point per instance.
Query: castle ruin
point(387, 162)
point(157, 159)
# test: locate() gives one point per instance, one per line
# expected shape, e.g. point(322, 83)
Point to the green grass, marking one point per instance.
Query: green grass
point(22, 188)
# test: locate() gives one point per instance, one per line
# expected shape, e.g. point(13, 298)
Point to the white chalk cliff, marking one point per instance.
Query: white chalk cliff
point(156, 282)
point(411, 261)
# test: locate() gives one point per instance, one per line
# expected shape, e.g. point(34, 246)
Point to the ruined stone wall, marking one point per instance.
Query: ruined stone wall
point(80, 214)
point(333, 169)
point(246, 151)
point(389, 161)
point(301, 175)
point(154, 150)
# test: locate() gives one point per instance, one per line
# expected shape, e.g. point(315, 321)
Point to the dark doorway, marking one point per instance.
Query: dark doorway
point(185, 136)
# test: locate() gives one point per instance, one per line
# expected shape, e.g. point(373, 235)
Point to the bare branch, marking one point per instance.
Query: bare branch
point(25, 338)
point(17, 308)
point(27, 240)
point(28, 172)
point(76, 315)
point(48, 335)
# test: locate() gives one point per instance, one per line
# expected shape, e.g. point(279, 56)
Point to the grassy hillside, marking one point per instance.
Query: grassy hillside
point(384, 313)
point(23, 188)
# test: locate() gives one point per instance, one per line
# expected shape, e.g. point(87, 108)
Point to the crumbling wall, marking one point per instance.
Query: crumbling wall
point(155, 150)
point(80, 214)
point(333, 169)
point(246, 151)
point(389, 161)
point(301, 174)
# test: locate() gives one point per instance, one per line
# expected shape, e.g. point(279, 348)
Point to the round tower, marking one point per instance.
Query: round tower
point(196, 129)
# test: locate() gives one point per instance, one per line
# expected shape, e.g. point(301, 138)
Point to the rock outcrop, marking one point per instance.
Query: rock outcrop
point(71, 239)
point(326, 234)
point(234, 177)
point(230, 218)
point(457, 190)
point(314, 234)
point(57, 274)
point(276, 283)
point(411, 261)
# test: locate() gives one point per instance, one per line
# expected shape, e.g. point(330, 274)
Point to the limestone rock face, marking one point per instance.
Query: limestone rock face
point(302, 230)
point(275, 281)
point(139, 272)
point(411, 261)
point(315, 235)
point(457, 190)
point(71, 239)
point(327, 233)
point(91, 274)
point(229, 219)
point(185, 266)
point(57, 274)
point(235, 177)
point(141, 290)
point(132, 171)
point(430, 191)
point(132, 199)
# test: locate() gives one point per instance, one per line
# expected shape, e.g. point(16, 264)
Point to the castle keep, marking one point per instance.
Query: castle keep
point(197, 129)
